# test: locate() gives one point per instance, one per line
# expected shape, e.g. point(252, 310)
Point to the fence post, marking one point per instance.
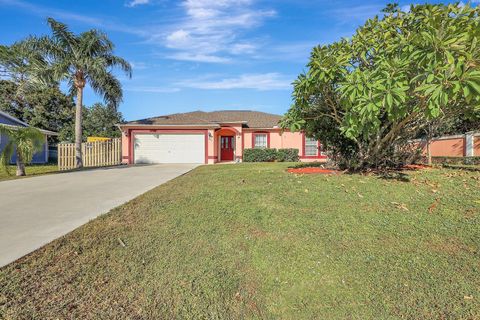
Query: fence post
point(59, 156)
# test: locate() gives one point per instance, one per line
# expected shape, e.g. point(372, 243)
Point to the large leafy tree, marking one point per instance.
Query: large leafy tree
point(365, 97)
point(98, 121)
point(45, 108)
point(24, 142)
point(87, 58)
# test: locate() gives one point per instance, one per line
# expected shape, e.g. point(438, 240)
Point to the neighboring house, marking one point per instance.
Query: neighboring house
point(461, 145)
point(39, 157)
point(209, 137)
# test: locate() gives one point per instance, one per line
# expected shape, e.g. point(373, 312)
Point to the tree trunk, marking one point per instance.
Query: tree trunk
point(429, 142)
point(429, 152)
point(78, 128)
point(20, 165)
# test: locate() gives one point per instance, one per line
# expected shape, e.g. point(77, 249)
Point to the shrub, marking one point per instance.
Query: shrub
point(259, 155)
point(269, 155)
point(287, 155)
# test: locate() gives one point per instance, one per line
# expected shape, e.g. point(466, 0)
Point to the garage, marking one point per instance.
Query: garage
point(169, 148)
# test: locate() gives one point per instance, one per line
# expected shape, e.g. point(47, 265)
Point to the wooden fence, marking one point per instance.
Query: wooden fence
point(94, 154)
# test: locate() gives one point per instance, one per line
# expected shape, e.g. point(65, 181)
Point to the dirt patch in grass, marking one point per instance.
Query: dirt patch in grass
point(451, 246)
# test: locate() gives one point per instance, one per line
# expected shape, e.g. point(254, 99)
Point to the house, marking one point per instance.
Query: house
point(209, 137)
point(39, 157)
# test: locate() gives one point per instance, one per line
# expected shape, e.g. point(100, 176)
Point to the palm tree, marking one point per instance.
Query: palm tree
point(79, 60)
point(25, 142)
point(25, 67)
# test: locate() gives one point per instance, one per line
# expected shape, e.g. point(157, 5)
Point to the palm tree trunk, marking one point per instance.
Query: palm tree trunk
point(20, 165)
point(78, 128)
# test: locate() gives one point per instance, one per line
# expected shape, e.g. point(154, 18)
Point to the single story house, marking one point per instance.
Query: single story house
point(210, 137)
point(39, 157)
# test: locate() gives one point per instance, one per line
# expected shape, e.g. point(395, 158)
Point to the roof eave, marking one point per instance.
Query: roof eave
point(213, 125)
point(45, 132)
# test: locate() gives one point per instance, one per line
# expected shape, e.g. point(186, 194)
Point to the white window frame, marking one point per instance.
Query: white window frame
point(255, 135)
point(308, 143)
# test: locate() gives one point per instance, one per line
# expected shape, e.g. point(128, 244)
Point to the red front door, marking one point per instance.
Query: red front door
point(226, 148)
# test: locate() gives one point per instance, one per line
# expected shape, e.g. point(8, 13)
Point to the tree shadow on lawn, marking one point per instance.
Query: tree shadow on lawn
point(394, 175)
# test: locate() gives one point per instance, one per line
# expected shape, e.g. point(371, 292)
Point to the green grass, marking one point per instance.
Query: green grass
point(251, 241)
point(31, 170)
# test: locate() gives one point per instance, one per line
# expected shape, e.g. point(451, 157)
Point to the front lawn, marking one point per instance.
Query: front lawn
point(252, 241)
point(31, 170)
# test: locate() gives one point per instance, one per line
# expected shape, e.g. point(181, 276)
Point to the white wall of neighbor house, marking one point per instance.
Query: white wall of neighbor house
point(469, 144)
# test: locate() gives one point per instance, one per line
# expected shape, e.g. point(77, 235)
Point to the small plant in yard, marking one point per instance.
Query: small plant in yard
point(24, 143)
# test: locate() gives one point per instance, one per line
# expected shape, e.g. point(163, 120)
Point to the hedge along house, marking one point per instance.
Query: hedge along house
point(209, 137)
point(39, 157)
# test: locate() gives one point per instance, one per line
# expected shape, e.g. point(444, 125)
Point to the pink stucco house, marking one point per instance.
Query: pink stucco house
point(209, 137)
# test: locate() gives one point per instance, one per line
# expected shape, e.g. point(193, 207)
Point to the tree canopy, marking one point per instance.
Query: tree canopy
point(365, 97)
point(86, 58)
point(44, 108)
point(98, 121)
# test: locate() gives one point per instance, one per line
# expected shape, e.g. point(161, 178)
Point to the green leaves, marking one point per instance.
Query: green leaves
point(401, 71)
point(24, 140)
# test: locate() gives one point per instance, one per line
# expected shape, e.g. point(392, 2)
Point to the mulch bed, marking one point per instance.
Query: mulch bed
point(313, 170)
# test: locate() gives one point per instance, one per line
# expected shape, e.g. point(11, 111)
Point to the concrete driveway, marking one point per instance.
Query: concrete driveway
point(37, 210)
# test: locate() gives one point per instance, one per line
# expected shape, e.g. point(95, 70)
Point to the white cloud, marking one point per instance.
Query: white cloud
point(211, 31)
point(243, 48)
point(260, 82)
point(135, 3)
point(186, 56)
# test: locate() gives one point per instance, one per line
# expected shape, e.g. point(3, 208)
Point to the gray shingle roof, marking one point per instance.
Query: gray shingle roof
point(252, 119)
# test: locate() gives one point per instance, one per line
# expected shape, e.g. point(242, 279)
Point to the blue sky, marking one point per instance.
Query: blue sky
point(200, 54)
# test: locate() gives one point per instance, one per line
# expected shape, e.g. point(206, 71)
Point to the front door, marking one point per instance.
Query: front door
point(226, 148)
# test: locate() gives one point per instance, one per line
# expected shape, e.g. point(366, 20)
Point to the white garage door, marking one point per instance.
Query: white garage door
point(169, 148)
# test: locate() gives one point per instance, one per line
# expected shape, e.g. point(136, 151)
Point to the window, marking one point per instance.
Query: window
point(311, 147)
point(260, 140)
